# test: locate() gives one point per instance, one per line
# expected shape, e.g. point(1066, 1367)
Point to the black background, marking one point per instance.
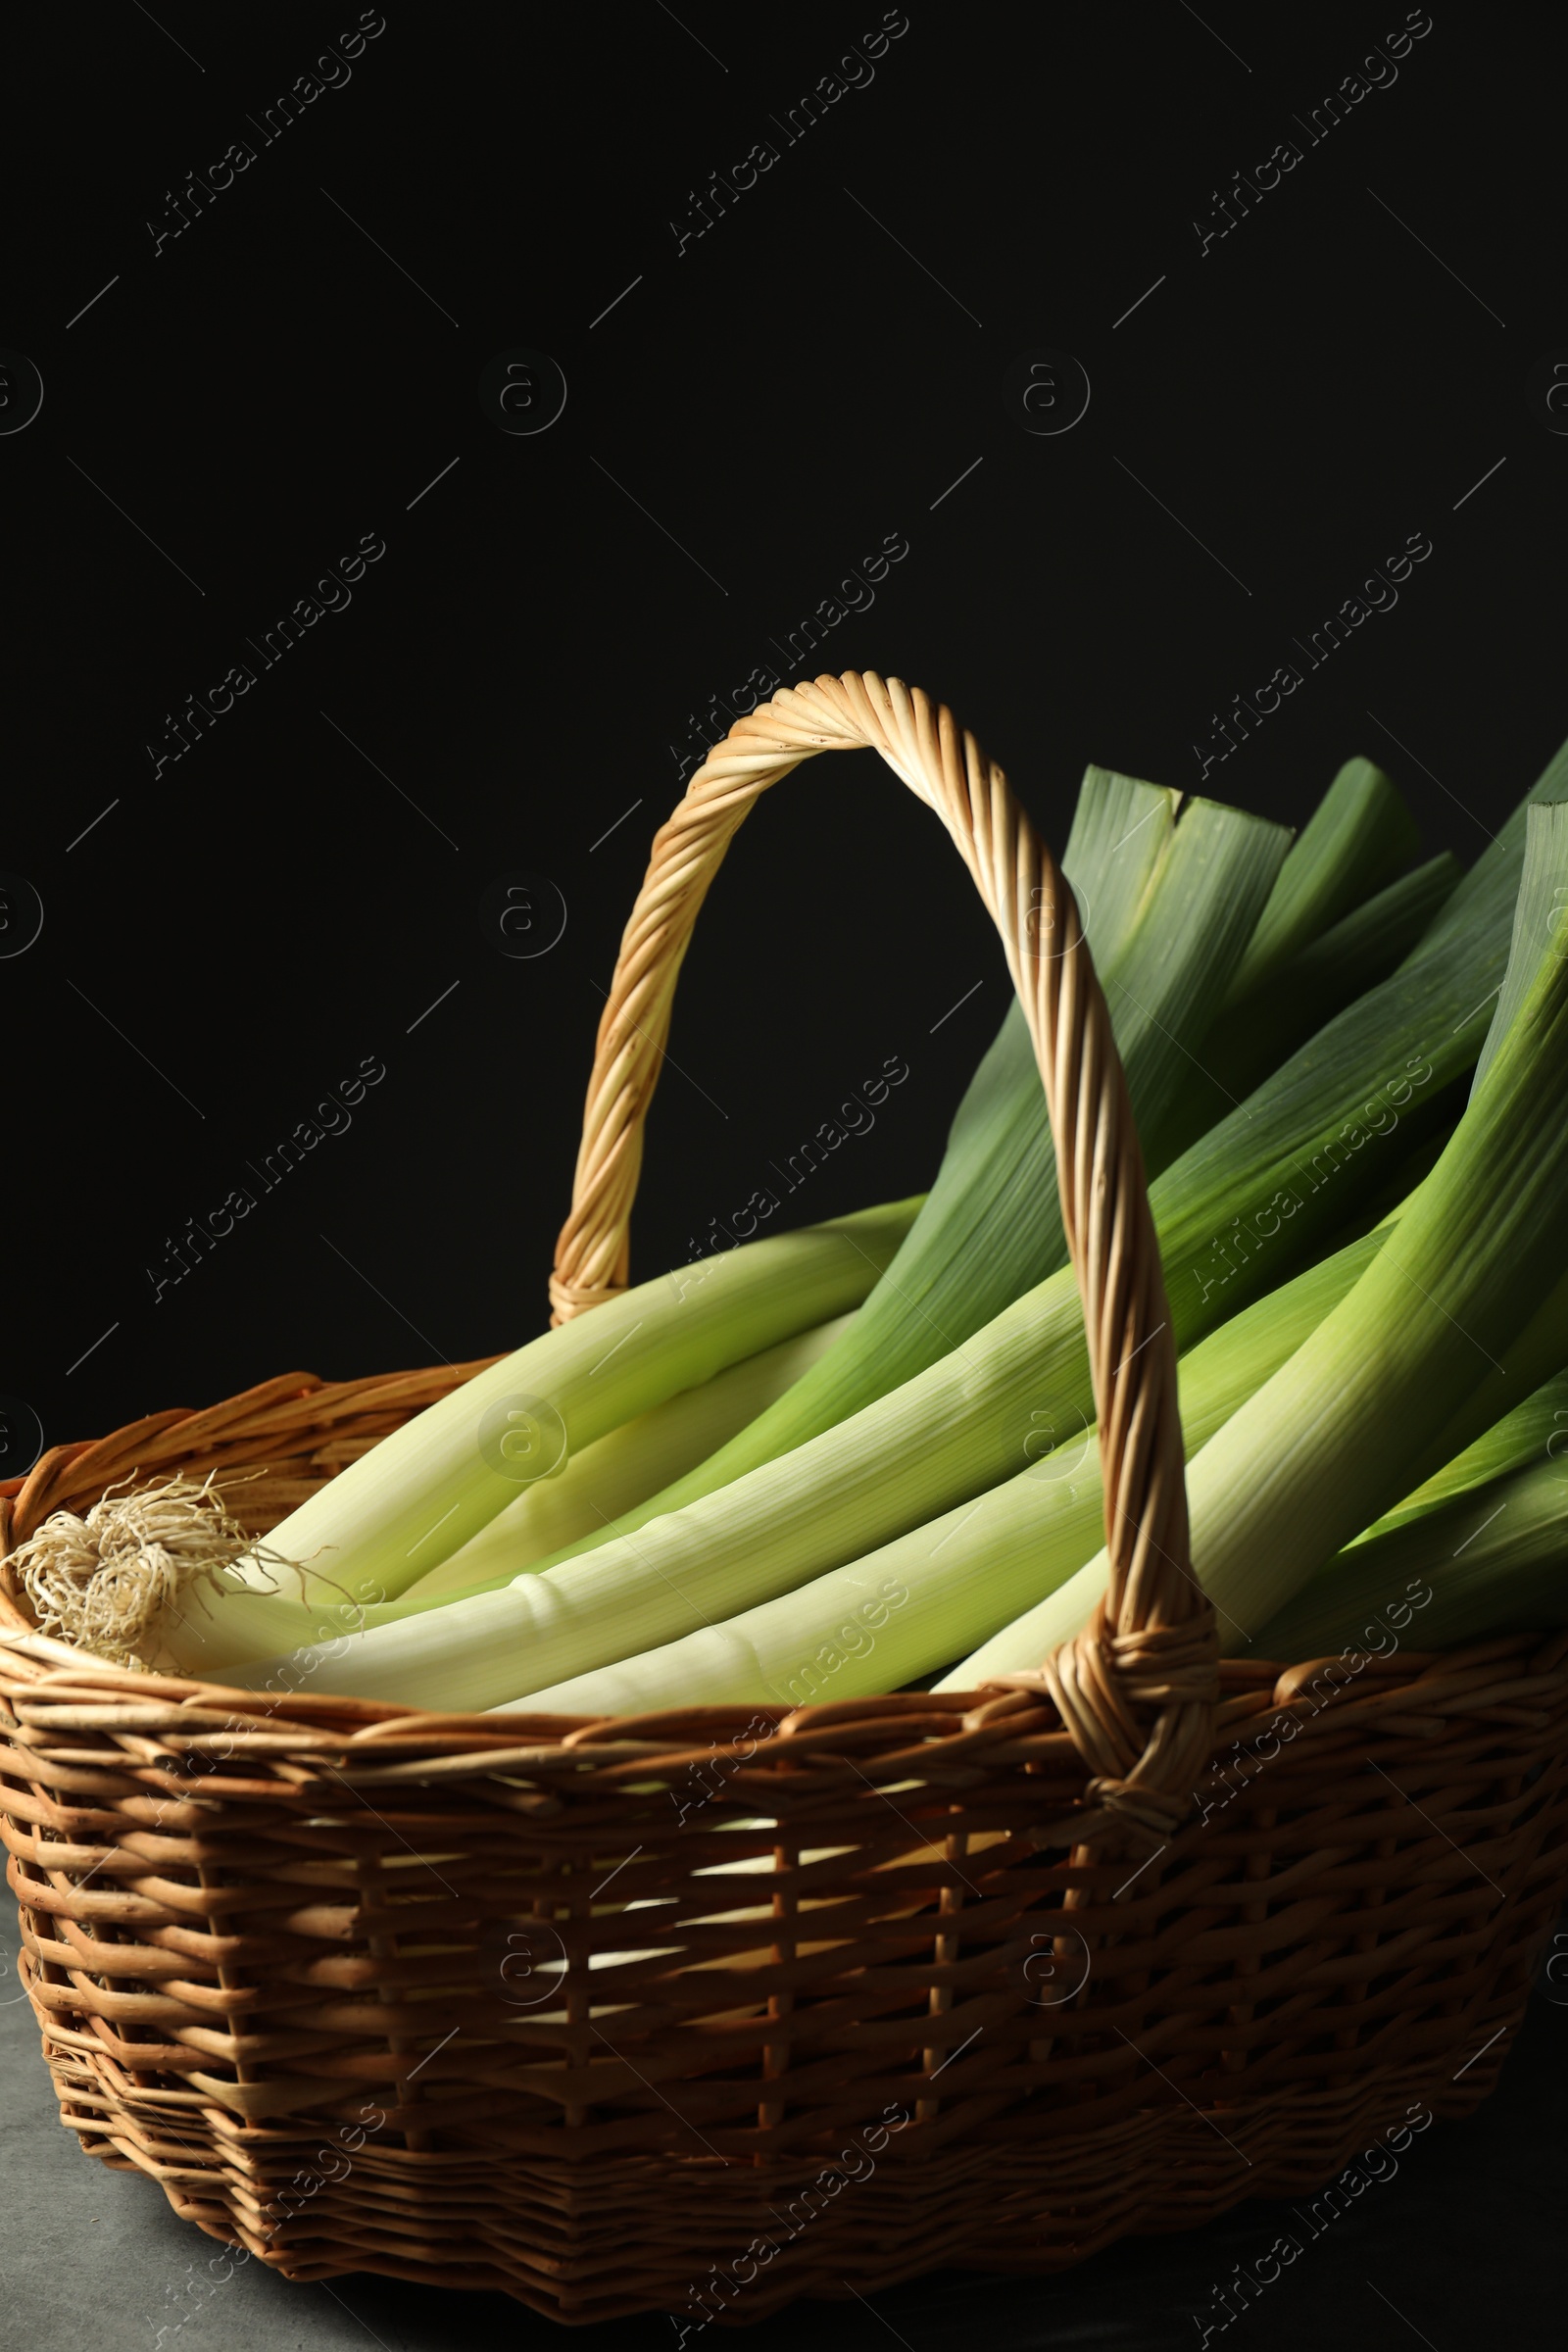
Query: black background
point(227, 936)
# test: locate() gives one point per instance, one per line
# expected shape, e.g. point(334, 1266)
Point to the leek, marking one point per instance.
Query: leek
point(1515, 1575)
point(1281, 1013)
point(1493, 1560)
point(1396, 1376)
point(425, 1490)
point(1538, 1427)
point(1358, 838)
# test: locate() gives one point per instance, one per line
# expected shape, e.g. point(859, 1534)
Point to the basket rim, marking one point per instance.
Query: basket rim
point(52, 1672)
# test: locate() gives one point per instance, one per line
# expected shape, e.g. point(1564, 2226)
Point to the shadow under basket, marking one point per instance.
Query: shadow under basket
point(701, 2011)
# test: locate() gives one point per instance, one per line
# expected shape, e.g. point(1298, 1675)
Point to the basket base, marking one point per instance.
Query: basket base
point(1022, 2203)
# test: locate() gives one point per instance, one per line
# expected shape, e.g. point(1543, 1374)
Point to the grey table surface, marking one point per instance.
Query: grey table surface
point(1465, 2236)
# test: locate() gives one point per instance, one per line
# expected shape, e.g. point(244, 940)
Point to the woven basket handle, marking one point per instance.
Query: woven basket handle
point(1137, 1689)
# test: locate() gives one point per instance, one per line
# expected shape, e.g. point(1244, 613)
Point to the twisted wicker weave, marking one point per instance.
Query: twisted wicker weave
point(989, 1978)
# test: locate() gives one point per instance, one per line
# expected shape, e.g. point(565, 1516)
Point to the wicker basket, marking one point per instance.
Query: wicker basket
point(989, 1979)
